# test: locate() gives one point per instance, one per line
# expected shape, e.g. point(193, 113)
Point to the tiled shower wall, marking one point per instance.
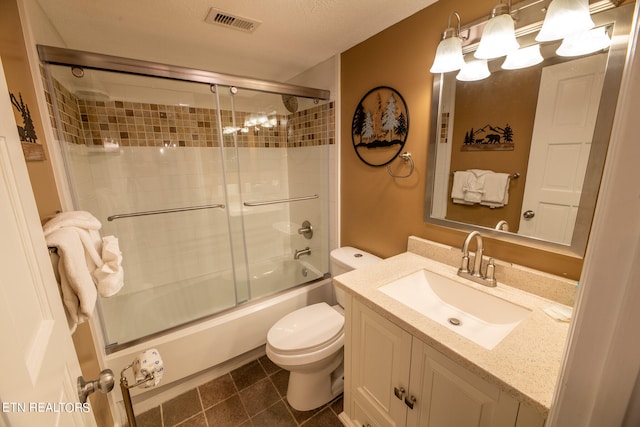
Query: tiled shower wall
point(138, 177)
point(135, 124)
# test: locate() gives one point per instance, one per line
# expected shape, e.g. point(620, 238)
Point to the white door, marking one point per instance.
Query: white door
point(565, 119)
point(38, 363)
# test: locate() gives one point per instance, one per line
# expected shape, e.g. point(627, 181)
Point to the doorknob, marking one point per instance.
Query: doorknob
point(104, 383)
point(529, 214)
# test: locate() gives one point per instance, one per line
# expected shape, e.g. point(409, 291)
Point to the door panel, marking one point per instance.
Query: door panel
point(38, 363)
point(565, 120)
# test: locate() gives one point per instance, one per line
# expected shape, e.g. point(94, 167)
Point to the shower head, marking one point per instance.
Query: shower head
point(290, 102)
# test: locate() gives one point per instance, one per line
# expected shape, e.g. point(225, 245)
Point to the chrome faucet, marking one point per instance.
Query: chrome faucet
point(305, 251)
point(475, 274)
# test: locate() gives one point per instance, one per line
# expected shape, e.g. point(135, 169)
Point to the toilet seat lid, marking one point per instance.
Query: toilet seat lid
point(306, 328)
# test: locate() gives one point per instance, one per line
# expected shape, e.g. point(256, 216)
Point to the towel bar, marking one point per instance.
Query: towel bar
point(514, 175)
point(163, 211)
point(273, 202)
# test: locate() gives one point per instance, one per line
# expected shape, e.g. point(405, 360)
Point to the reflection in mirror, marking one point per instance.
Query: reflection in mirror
point(520, 154)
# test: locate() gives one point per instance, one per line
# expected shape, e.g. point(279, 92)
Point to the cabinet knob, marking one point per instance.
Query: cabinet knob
point(410, 401)
point(399, 392)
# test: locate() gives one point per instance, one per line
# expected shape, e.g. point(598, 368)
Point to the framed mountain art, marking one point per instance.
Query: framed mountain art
point(380, 126)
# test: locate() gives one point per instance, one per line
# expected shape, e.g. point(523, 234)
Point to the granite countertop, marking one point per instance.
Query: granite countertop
point(525, 364)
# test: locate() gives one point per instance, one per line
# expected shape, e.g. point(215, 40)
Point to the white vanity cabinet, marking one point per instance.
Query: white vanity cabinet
point(395, 379)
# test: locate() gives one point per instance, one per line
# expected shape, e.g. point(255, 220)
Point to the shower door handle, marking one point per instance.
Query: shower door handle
point(276, 201)
point(164, 211)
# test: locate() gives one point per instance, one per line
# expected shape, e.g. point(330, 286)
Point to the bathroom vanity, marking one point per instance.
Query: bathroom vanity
point(404, 368)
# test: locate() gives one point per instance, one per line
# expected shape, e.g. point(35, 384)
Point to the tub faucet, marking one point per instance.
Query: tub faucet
point(476, 273)
point(305, 251)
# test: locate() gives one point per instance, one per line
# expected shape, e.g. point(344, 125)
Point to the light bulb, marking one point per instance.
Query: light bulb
point(565, 17)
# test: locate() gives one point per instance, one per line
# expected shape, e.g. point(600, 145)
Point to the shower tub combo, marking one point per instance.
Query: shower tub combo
point(211, 184)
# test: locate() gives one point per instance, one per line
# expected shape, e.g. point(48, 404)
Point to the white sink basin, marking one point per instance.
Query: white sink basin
point(476, 315)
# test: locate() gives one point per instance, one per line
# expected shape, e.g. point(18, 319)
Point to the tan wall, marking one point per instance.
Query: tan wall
point(379, 212)
point(511, 99)
point(19, 79)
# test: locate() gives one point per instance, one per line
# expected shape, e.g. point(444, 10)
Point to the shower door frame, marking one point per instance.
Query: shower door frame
point(87, 60)
point(70, 57)
point(56, 56)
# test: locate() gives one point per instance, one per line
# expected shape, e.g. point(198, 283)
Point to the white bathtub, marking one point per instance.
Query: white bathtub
point(203, 345)
point(156, 309)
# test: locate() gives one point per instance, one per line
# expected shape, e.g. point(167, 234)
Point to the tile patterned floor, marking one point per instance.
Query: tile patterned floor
point(252, 395)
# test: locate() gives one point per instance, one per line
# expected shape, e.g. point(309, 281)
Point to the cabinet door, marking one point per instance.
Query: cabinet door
point(380, 362)
point(362, 418)
point(449, 395)
point(528, 417)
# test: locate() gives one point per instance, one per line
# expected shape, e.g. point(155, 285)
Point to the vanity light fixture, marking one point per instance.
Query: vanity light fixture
point(585, 43)
point(473, 70)
point(449, 51)
point(523, 57)
point(498, 37)
point(564, 18)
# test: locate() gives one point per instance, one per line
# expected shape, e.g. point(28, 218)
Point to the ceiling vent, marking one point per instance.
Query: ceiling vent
point(229, 20)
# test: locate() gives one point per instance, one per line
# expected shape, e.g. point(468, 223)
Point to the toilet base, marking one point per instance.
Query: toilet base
point(307, 391)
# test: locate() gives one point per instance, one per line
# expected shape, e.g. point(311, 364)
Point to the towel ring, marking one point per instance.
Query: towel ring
point(406, 156)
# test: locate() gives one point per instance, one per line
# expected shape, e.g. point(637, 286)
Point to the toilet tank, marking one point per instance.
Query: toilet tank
point(346, 259)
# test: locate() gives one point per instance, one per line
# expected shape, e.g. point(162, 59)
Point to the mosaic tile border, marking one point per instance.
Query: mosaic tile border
point(95, 122)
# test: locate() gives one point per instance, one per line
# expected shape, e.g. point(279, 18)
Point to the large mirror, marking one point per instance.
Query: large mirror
point(539, 135)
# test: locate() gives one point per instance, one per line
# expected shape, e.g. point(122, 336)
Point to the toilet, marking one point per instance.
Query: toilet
point(308, 342)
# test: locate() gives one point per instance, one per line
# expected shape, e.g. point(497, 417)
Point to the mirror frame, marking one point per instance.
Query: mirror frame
point(620, 18)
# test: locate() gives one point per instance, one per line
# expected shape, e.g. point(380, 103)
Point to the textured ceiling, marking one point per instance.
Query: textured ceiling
point(294, 35)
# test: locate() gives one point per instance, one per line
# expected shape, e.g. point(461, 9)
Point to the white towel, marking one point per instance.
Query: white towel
point(496, 190)
point(474, 190)
point(480, 186)
point(110, 276)
point(87, 262)
point(79, 293)
point(459, 185)
point(468, 186)
point(79, 219)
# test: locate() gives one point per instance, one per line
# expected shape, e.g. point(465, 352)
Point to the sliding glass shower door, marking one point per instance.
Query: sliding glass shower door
point(277, 148)
point(218, 195)
point(143, 156)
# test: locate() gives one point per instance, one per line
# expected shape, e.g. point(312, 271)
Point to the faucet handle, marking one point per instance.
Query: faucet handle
point(491, 271)
point(464, 265)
